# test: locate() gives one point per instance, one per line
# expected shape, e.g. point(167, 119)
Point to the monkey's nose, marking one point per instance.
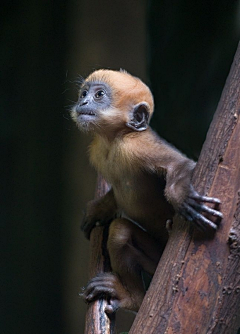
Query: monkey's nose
point(83, 103)
point(80, 106)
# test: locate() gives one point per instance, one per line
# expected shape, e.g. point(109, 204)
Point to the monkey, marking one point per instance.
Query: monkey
point(150, 182)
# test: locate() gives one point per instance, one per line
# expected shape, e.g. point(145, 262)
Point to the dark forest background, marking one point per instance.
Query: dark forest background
point(182, 49)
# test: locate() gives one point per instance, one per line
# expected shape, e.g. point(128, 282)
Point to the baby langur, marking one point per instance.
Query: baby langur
point(150, 182)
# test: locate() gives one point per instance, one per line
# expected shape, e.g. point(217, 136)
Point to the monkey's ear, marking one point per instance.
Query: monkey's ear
point(139, 117)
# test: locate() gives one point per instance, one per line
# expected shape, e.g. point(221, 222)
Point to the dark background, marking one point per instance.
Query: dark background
point(182, 49)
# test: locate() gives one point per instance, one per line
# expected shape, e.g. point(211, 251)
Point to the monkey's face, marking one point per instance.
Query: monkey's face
point(113, 102)
point(94, 98)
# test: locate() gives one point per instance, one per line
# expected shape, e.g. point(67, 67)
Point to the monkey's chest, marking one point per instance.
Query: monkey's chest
point(142, 199)
point(138, 194)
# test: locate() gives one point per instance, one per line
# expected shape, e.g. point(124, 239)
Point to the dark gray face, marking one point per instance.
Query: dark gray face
point(92, 98)
point(93, 110)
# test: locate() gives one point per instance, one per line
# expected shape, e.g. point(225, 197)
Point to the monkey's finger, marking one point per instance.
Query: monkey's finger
point(86, 227)
point(86, 224)
point(200, 219)
point(204, 208)
point(205, 222)
point(206, 199)
point(189, 218)
point(199, 225)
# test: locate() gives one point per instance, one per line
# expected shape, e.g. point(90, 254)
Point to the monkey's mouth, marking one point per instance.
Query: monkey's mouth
point(86, 115)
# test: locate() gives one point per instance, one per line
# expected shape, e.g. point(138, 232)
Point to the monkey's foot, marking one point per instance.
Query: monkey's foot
point(107, 285)
point(193, 208)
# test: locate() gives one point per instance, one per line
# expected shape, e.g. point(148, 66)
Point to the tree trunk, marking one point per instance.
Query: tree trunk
point(196, 287)
point(97, 321)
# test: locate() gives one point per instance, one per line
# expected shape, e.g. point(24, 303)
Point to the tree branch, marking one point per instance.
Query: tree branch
point(97, 321)
point(196, 287)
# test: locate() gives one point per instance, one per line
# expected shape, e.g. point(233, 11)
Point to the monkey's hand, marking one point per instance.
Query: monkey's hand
point(94, 216)
point(193, 209)
point(109, 286)
point(99, 212)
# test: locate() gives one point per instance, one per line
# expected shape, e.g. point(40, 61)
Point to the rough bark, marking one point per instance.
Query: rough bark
point(196, 287)
point(97, 322)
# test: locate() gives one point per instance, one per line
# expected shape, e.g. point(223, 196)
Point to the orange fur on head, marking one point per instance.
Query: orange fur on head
point(127, 89)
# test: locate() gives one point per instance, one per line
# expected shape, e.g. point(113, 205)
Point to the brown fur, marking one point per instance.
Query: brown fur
point(150, 181)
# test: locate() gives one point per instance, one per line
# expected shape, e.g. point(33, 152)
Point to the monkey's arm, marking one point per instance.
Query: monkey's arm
point(100, 211)
point(161, 158)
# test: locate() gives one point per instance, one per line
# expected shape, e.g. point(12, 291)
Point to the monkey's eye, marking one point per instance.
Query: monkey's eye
point(99, 93)
point(83, 94)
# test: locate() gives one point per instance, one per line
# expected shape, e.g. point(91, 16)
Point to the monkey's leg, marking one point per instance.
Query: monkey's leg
point(131, 251)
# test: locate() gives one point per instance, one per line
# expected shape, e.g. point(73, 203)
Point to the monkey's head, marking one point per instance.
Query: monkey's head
point(113, 101)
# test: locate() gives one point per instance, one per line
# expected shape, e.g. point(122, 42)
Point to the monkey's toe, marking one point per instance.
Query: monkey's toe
point(113, 306)
point(101, 285)
point(109, 286)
